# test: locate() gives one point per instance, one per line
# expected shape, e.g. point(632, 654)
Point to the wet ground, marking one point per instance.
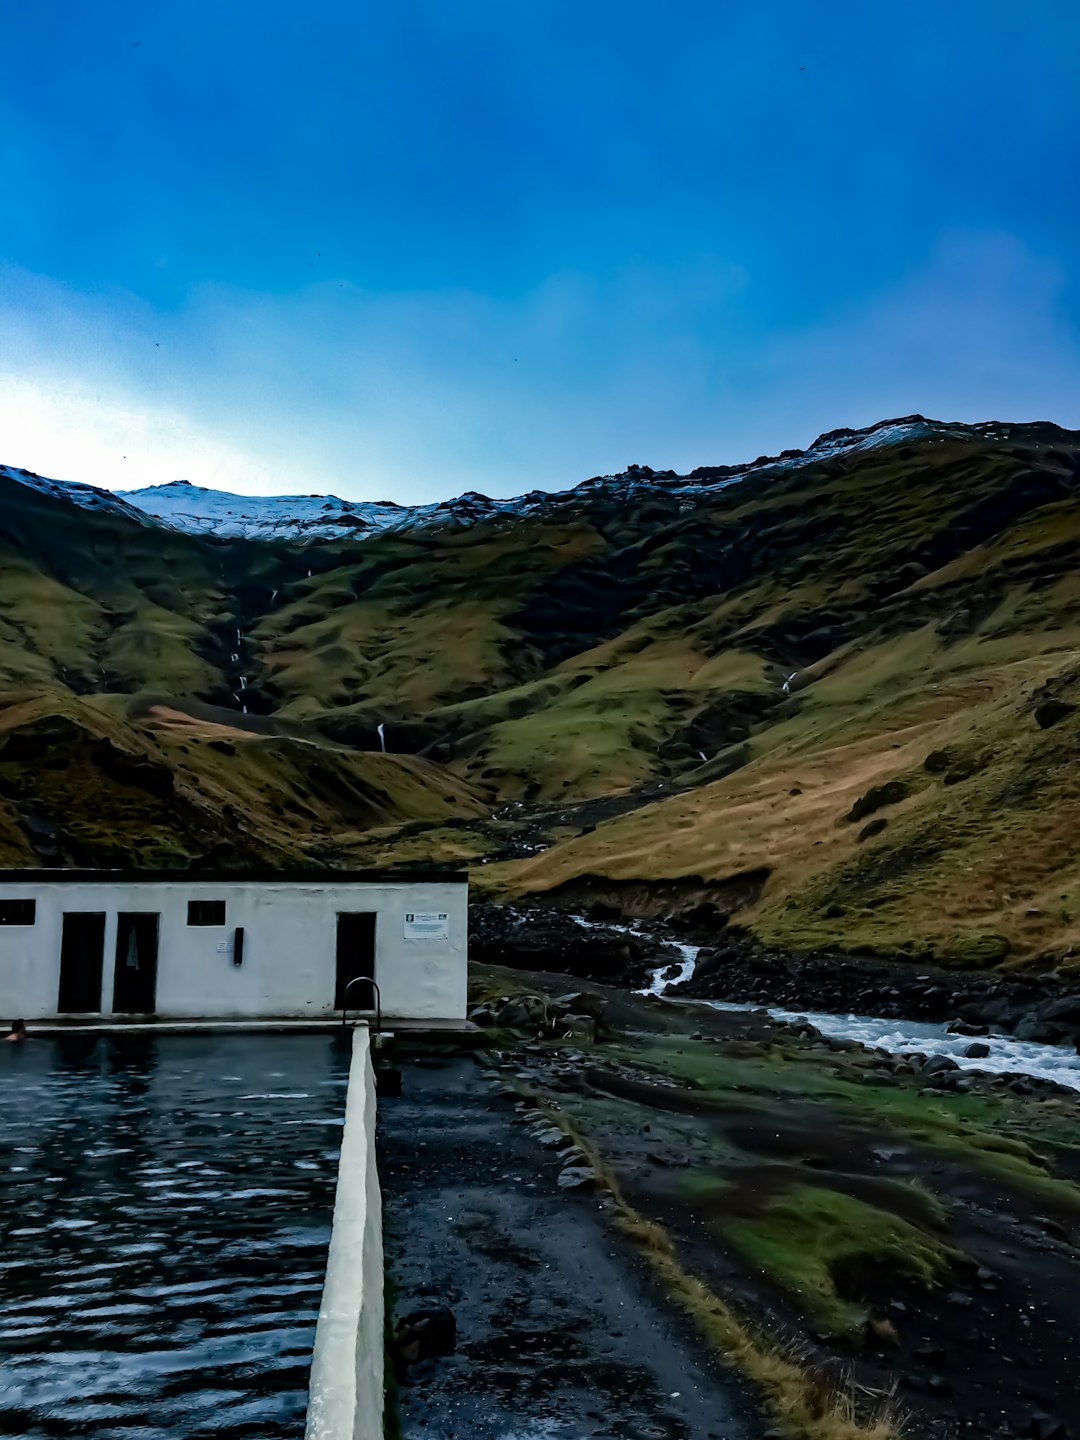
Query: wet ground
point(165, 1208)
point(922, 1241)
point(560, 1334)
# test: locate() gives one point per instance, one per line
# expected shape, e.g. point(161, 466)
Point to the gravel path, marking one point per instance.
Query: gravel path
point(561, 1336)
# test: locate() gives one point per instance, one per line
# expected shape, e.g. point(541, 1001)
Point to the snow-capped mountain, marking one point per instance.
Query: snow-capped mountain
point(197, 510)
point(305, 517)
point(217, 512)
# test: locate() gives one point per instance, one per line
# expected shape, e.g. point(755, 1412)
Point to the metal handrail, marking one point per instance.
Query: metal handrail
point(363, 980)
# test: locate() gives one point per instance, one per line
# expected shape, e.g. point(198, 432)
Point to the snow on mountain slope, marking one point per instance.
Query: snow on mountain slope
point(88, 497)
point(265, 517)
point(197, 510)
point(217, 512)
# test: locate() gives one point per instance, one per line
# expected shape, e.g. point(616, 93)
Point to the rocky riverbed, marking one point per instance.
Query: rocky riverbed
point(601, 946)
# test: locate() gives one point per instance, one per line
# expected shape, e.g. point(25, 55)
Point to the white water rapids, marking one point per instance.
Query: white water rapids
point(686, 965)
point(900, 1037)
point(906, 1037)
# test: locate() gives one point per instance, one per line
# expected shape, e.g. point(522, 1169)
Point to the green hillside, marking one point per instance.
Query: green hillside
point(835, 696)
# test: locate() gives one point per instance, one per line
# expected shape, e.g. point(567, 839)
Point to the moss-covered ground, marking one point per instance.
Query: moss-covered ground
point(920, 1240)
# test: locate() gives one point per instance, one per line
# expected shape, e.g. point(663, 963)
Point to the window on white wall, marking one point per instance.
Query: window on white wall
point(206, 912)
point(18, 912)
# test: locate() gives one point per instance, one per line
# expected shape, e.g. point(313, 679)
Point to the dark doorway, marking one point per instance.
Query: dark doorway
point(82, 951)
point(355, 959)
point(135, 981)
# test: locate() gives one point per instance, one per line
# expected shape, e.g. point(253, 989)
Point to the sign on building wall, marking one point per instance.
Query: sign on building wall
point(427, 925)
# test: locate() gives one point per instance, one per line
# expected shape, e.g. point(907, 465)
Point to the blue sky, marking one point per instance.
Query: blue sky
point(403, 250)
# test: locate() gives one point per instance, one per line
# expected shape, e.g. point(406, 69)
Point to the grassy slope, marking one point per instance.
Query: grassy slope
point(988, 847)
point(983, 848)
point(81, 784)
point(115, 664)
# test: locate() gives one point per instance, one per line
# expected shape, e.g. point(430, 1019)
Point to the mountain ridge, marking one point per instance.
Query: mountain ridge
point(202, 510)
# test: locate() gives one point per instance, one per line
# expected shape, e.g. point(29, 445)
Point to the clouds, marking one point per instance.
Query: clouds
point(65, 430)
point(979, 330)
point(373, 394)
point(422, 394)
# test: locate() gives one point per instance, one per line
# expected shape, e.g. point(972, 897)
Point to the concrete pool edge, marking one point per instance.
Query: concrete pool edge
point(391, 1024)
point(346, 1397)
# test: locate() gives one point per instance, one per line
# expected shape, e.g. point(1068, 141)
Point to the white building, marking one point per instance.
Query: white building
point(101, 942)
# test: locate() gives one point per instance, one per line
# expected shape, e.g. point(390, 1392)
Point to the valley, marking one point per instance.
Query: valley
point(830, 695)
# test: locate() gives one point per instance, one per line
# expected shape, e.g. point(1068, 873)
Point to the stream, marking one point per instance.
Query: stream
point(663, 978)
point(902, 1037)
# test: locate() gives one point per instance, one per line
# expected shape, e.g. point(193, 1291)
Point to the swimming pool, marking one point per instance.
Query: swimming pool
point(165, 1208)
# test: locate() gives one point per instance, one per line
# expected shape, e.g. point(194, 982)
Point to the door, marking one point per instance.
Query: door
point(355, 959)
point(82, 951)
point(135, 981)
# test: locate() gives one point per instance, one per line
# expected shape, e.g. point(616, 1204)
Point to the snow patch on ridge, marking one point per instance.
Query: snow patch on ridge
point(266, 517)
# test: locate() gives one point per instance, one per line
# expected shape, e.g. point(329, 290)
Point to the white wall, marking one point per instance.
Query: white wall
point(345, 1393)
point(290, 938)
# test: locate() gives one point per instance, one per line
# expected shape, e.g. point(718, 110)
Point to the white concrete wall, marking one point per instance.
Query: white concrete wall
point(290, 940)
point(345, 1393)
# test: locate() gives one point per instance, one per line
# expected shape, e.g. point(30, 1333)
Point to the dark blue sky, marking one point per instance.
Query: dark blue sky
point(408, 249)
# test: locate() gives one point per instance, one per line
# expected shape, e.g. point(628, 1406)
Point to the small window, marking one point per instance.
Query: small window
point(18, 912)
point(206, 912)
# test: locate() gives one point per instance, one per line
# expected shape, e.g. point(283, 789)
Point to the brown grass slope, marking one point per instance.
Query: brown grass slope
point(918, 787)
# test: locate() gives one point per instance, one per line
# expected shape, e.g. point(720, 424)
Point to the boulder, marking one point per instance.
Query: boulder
point(1034, 1026)
point(1046, 1427)
point(550, 1138)
point(979, 1051)
point(577, 1027)
point(575, 1176)
point(1051, 711)
point(524, 1012)
point(425, 1334)
point(878, 796)
point(1066, 1009)
point(939, 1065)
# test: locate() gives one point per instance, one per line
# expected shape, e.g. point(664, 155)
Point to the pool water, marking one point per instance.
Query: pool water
point(165, 1208)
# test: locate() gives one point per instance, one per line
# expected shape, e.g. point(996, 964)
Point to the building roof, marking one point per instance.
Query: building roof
point(59, 876)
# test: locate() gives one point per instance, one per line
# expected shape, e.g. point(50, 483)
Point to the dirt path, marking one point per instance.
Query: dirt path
point(560, 1334)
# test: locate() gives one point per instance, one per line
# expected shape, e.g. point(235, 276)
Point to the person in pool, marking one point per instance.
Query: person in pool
point(18, 1030)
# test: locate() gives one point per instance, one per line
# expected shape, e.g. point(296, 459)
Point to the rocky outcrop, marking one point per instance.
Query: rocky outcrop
point(538, 939)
